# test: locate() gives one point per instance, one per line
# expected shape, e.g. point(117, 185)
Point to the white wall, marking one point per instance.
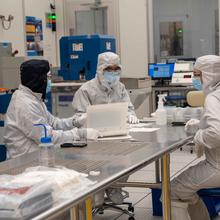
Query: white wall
point(16, 33)
point(60, 26)
point(133, 37)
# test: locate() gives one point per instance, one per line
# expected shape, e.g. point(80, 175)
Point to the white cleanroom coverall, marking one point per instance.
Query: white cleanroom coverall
point(26, 109)
point(185, 203)
point(98, 91)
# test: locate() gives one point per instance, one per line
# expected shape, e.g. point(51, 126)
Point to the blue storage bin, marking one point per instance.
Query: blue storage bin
point(156, 203)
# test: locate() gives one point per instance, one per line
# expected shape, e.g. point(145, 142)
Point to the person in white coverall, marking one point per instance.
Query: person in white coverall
point(27, 108)
point(103, 89)
point(185, 203)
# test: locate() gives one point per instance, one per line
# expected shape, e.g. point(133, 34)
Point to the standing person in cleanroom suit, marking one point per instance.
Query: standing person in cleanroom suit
point(27, 108)
point(186, 204)
point(103, 89)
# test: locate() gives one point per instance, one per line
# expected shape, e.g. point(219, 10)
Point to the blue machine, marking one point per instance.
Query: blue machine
point(78, 55)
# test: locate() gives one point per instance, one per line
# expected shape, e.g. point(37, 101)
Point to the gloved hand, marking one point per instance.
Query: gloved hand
point(199, 150)
point(80, 120)
point(192, 126)
point(132, 119)
point(89, 134)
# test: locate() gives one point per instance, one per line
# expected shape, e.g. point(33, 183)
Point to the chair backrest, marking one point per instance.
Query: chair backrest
point(195, 98)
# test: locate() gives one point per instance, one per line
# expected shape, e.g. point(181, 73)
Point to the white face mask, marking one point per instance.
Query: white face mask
point(197, 83)
point(111, 77)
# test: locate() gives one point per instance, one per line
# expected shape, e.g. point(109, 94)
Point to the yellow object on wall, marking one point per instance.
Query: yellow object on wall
point(30, 29)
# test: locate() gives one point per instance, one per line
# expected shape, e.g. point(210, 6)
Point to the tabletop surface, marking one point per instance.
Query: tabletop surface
point(113, 159)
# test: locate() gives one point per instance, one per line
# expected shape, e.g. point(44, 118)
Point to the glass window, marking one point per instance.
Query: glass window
point(171, 38)
point(185, 29)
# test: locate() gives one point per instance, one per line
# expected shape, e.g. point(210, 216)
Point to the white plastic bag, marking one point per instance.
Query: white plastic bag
point(27, 194)
point(23, 200)
point(63, 180)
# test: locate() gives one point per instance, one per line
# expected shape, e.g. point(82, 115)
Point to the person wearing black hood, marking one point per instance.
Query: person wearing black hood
point(27, 108)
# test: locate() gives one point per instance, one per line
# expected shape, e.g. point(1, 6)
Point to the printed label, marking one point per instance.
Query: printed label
point(78, 47)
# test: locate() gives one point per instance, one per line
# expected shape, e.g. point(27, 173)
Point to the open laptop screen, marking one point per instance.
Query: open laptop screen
point(109, 119)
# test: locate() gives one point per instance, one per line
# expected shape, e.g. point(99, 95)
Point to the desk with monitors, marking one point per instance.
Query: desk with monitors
point(173, 79)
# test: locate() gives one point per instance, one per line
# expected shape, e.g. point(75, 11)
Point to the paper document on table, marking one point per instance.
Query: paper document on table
point(115, 138)
point(143, 129)
point(140, 125)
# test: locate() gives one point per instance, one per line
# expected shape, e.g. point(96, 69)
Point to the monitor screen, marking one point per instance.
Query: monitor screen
point(161, 70)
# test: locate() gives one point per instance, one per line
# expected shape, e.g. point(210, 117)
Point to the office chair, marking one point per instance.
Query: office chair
point(194, 99)
point(111, 202)
point(211, 198)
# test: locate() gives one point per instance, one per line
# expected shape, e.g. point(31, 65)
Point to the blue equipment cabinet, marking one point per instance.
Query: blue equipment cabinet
point(4, 100)
point(78, 55)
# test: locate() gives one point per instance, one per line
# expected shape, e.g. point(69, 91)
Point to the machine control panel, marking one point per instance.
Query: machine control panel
point(182, 78)
point(183, 73)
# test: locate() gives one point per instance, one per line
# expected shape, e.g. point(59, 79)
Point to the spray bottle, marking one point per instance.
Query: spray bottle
point(161, 113)
point(47, 149)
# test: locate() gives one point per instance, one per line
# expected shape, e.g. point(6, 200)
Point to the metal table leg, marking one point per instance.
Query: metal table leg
point(89, 209)
point(74, 215)
point(157, 171)
point(165, 165)
point(82, 211)
point(153, 100)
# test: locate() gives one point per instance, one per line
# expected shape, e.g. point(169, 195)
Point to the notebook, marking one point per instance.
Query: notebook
point(108, 119)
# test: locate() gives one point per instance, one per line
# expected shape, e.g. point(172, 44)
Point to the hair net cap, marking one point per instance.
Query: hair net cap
point(34, 75)
point(107, 59)
point(35, 67)
point(209, 65)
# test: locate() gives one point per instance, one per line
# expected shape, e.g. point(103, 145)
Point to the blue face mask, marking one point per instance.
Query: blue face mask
point(197, 83)
point(111, 77)
point(48, 86)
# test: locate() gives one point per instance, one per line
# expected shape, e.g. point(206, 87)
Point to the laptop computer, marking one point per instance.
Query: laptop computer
point(108, 119)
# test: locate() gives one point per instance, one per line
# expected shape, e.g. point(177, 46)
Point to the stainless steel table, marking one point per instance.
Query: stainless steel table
point(114, 159)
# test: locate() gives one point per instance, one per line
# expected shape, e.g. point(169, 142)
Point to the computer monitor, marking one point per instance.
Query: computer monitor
point(160, 70)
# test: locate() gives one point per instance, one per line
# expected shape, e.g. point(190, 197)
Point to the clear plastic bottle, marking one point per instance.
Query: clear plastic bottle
point(47, 153)
point(161, 113)
point(47, 150)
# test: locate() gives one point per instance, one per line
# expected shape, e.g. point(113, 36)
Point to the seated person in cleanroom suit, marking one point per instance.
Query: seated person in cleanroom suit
point(186, 204)
point(103, 89)
point(27, 108)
